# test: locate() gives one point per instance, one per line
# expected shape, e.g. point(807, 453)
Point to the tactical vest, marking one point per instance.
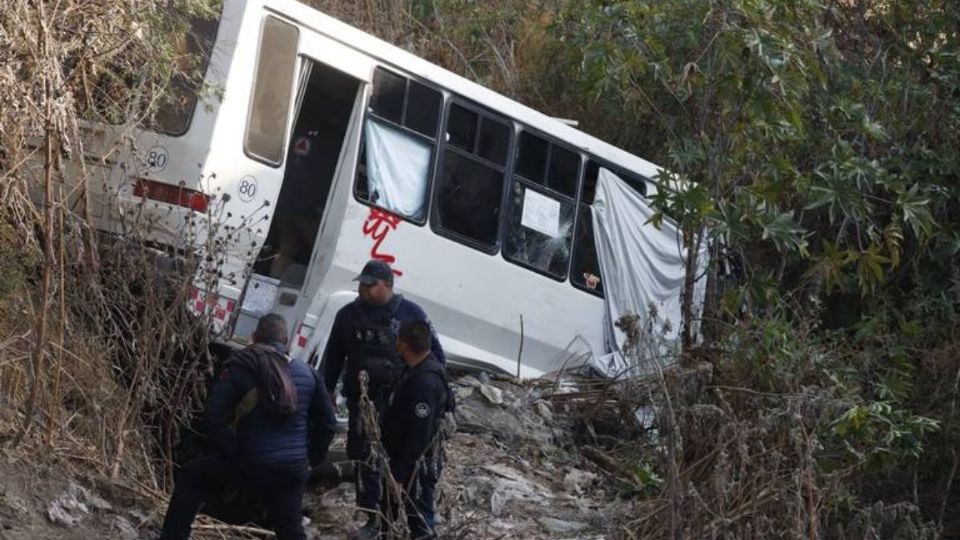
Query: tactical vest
point(373, 348)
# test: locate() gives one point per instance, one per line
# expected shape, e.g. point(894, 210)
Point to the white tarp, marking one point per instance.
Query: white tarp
point(642, 269)
point(397, 168)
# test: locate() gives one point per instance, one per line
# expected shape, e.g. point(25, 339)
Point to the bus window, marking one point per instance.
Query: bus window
point(542, 206)
point(547, 164)
point(272, 88)
point(423, 109)
point(398, 143)
point(585, 269)
point(540, 227)
point(193, 50)
point(470, 184)
point(388, 95)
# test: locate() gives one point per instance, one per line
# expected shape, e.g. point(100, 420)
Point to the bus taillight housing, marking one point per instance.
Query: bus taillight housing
point(176, 195)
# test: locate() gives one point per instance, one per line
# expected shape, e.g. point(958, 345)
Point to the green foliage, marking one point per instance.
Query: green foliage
point(824, 141)
point(880, 432)
point(820, 144)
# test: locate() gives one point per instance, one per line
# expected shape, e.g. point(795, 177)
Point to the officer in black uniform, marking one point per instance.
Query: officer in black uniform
point(364, 338)
point(411, 425)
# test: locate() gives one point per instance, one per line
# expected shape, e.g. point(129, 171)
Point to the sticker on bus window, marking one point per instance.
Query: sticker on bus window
point(541, 213)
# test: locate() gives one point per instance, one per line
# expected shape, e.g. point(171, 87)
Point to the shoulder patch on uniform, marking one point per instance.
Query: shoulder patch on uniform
point(422, 410)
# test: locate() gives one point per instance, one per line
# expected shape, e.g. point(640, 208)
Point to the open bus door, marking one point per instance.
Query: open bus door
point(325, 106)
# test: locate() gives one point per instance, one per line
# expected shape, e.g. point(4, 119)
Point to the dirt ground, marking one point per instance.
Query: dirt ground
point(511, 472)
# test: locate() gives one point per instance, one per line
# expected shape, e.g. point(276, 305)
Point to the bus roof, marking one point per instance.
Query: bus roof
point(402, 60)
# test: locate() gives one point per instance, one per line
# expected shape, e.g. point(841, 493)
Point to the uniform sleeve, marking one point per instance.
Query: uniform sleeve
point(435, 347)
point(334, 354)
point(322, 421)
point(221, 407)
point(418, 411)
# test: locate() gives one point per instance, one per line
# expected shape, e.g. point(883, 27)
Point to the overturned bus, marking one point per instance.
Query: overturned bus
point(328, 147)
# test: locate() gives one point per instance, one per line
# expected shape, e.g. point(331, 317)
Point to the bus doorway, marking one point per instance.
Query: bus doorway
point(324, 106)
point(325, 101)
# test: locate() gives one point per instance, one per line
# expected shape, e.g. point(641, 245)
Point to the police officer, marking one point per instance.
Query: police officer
point(269, 416)
point(410, 427)
point(364, 338)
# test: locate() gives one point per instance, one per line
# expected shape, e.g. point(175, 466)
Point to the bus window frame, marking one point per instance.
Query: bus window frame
point(431, 173)
point(298, 60)
point(507, 168)
point(545, 190)
point(206, 70)
point(615, 169)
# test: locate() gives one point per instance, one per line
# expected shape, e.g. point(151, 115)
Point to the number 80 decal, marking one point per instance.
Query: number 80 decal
point(157, 159)
point(247, 188)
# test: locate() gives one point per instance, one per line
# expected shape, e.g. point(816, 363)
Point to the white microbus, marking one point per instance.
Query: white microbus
point(329, 147)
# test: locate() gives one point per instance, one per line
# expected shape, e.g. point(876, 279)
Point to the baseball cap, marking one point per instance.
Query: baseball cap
point(375, 270)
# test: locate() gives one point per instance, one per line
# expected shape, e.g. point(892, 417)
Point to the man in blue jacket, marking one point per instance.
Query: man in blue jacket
point(411, 425)
point(269, 417)
point(364, 338)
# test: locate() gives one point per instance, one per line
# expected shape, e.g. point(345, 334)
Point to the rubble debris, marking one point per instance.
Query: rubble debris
point(576, 481)
point(559, 526)
point(493, 394)
point(544, 410)
point(510, 484)
point(73, 504)
point(12, 508)
point(123, 529)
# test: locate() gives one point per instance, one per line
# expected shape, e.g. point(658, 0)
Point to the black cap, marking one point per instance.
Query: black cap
point(375, 270)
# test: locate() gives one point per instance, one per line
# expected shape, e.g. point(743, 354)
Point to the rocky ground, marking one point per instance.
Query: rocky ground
point(512, 471)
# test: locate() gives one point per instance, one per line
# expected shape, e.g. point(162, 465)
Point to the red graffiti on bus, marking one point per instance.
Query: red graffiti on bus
point(377, 226)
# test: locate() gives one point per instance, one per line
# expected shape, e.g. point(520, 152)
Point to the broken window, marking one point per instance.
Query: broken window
point(539, 231)
point(542, 206)
point(399, 136)
point(470, 184)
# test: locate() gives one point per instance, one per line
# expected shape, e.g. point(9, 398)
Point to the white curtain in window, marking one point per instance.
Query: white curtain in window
point(397, 169)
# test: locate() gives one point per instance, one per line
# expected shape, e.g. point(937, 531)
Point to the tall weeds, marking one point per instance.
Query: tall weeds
point(98, 362)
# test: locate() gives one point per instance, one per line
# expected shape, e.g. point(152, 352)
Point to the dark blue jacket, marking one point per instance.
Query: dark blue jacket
point(343, 346)
point(411, 420)
point(260, 437)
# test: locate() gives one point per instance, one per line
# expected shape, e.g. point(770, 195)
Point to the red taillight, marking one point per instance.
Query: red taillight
point(166, 193)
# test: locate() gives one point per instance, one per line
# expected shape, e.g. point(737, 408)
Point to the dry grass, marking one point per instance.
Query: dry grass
point(96, 372)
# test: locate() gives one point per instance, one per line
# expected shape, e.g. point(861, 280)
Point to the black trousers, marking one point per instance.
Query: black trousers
point(368, 475)
point(419, 494)
point(280, 489)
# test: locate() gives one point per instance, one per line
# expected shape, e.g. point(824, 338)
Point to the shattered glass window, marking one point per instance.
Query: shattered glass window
point(542, 206)
point(539, 231)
